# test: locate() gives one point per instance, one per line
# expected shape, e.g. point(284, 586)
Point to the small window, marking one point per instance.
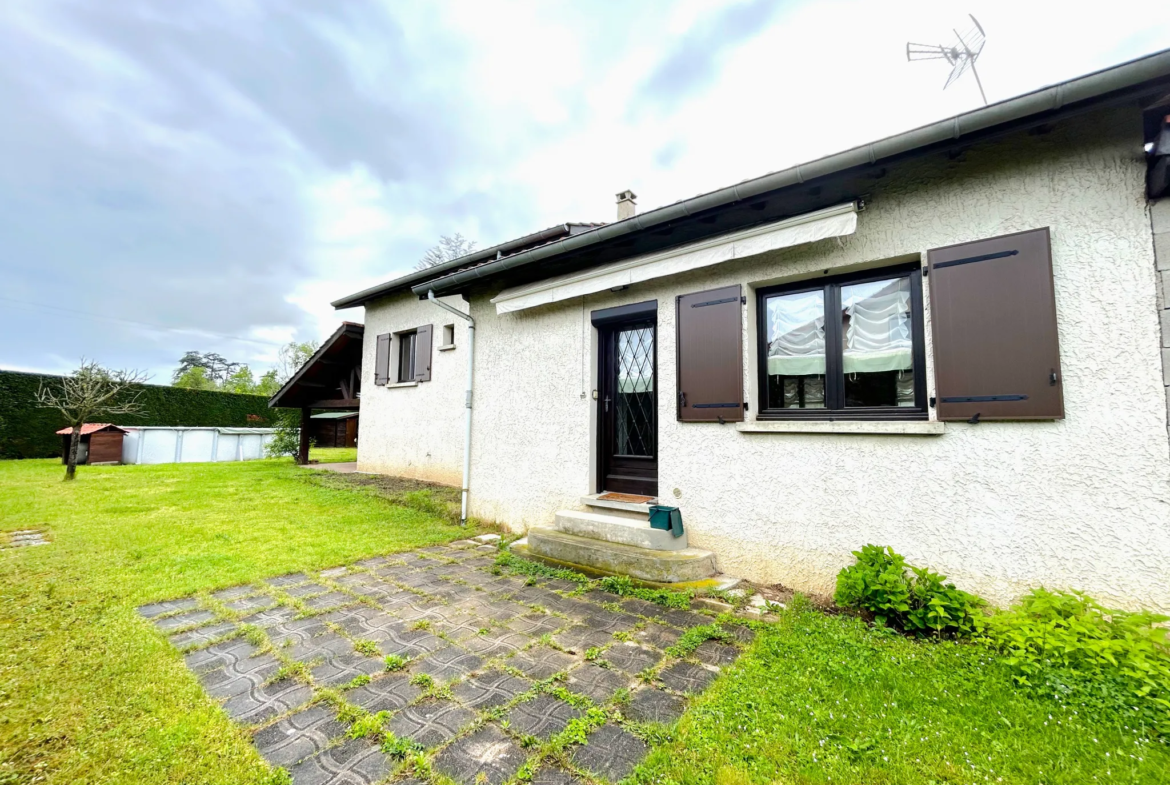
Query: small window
point(406, 356)
point(843, 348)
point(448, 335)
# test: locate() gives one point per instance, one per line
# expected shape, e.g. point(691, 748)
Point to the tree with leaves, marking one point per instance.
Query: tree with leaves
point(90, 394)
point(287, 421)
point(216, 367)
point(195, 378)
point(450, 247)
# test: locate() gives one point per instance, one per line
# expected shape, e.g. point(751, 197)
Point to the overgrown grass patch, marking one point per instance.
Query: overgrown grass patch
point(89, 692)
point(822, 698)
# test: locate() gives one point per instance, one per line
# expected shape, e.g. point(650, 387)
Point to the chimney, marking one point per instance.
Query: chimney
point(626, 205)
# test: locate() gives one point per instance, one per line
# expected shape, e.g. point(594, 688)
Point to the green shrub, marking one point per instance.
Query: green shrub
point(912, 599)
point(1068, 645)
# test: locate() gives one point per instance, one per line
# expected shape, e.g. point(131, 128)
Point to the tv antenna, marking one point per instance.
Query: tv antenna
point(961, 55)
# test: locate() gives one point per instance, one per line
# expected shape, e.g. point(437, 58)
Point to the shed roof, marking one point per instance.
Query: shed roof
point(323, 377)
point(333, 415)
point(90, 427)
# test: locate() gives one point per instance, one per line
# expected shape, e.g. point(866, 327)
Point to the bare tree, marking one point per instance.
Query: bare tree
point(450, 247)
point(90, 393)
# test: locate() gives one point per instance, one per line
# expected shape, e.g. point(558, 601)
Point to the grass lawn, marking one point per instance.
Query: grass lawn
point(333, 454)
point(823, 699)
point(89, 692)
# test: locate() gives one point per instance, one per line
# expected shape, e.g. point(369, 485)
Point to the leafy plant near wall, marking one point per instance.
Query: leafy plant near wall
point(30, 432)
point(1069, 646)
point(912, 599)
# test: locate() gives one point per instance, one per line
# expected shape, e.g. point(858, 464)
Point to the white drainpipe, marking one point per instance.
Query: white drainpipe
point(470, 385)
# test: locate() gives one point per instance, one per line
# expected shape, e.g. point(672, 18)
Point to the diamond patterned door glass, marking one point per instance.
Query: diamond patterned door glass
point(635, 410)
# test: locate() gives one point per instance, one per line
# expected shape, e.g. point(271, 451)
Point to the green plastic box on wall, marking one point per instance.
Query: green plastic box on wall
point(667, 519)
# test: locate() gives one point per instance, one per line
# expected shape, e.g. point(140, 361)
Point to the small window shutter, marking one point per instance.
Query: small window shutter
point(993, 316)
point(422, 353)
point(710, 356)
point(382, 360)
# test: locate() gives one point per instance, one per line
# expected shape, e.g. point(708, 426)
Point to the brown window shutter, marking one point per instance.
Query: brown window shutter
point(422, 353)
point(382, 360)
point(710, 356)
point(993, 316)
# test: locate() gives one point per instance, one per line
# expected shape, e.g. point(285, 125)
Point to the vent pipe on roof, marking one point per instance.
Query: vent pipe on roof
point(627, 207)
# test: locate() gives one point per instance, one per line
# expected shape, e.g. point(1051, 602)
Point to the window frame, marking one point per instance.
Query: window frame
point(830, 286)
point(408, 367)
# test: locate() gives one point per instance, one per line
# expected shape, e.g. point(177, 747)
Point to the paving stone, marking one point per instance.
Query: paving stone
point(542, 717)
point(239, 678)
point(448, 664)
point(271, 617)
point(686, 677)
point(483, 561)
point(333, 572)
point(371, 563)
point(493, 688)
point(400, 572)
point(413, 608)
point(550, 775)
point(235, 592)
point(651, 705)
point(596, 683)
point(267, 701)
point(229, 654)
point(337, 661)
point(601, 596)
point(326, 645)
point(537, 624)
point(486, 757)
point(541, 662)
point(246, 604)
point(356, 762)
point(559, 584)
point(402, 641)
point(631, 658)
point(639, 607)
point(610, 752)
point(715, 653)
point(188, 619)
point(683, 619)
point(461, 544)
point(658, 636)
point(453, 592)
point(581, 638)
point(168, 606)
point(362, 621)
point(298, 736)
point(288, 580)
point(504, 585)
point(385, 595)
point(305, 589)
point(497, 643)
point(390, 693)
point(201, 635)
point(741, 633)
point(297, 631)
point(333, 599)
point(431, 723)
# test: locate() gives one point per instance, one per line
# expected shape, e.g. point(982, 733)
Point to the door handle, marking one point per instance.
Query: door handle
point(607, 403)
point(682, 400)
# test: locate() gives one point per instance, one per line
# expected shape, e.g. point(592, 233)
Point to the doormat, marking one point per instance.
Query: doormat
point(629, 498)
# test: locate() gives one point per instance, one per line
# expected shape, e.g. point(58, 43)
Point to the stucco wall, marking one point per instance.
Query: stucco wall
point(417, 430)
point(999, 507)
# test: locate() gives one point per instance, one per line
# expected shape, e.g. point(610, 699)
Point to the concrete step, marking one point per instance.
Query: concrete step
point(612, 528)
point(632, 510)
point(687, 565)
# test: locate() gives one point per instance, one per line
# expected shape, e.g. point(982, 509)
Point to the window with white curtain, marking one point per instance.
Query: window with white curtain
point(847, 347)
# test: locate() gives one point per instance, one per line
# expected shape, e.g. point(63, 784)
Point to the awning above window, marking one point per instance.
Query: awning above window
point(820, 225)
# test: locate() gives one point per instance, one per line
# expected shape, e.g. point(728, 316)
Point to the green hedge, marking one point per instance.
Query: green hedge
point(28, 431)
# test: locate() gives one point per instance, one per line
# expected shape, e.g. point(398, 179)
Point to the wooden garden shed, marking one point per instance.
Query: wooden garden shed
point(101, 442)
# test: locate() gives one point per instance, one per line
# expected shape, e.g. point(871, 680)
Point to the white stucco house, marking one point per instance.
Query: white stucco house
point(952, 341)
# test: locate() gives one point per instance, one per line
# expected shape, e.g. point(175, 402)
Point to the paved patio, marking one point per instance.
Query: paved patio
point(496, 665)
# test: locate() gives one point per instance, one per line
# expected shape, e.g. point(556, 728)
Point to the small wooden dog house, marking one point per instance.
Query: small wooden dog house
point(101, 442)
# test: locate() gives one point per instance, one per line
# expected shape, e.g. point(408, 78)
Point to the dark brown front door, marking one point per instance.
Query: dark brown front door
point(628, 405)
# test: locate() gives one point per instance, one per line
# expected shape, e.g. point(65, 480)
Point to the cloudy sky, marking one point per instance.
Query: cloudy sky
point(209, 174)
